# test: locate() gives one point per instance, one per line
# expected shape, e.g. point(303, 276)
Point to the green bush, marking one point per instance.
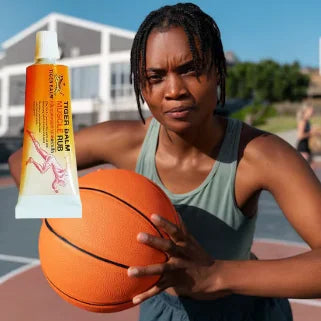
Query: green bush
point(257, 112)
point(266, 81)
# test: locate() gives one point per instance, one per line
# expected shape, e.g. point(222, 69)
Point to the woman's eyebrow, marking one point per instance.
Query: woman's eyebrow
point(154, 69)
point(178, 68)
point(185, 65)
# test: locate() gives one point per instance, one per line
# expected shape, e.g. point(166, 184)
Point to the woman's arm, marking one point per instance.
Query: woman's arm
point(114, 142)
point(300, 130)
point(298, 192)
point(275, 166)
point(87, 150)
point(14, 162)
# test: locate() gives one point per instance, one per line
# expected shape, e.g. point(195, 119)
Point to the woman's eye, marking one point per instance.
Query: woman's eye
point(154, 78)
point(190, 71)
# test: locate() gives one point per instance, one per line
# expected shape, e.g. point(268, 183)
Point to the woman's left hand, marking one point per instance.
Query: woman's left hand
point(189, 269)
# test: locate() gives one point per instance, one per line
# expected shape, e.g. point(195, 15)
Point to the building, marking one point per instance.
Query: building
point(231, 58)
point(98, 57)
point(314, 90)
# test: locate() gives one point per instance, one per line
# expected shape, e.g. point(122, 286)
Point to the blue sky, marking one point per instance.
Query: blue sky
point(284, 30)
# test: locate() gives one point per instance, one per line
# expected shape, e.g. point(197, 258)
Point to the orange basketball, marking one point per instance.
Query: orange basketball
point(85, 260)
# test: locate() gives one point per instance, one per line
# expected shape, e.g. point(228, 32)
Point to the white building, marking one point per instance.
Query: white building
point(98, 57)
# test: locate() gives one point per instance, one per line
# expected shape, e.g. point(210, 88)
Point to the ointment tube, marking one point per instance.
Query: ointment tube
point(49, 182)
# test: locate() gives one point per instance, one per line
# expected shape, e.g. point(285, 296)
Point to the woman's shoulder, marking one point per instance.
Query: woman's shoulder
point(257, 145)
point(264, 156)
point(126, 136)
point(111, 141)
point(130, 131)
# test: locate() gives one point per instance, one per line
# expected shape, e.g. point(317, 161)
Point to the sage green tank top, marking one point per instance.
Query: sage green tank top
point(209, 211)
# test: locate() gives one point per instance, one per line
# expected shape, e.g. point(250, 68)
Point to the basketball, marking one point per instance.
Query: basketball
point(85, 260)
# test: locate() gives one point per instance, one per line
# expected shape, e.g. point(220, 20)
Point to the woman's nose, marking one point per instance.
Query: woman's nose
point(175, 88)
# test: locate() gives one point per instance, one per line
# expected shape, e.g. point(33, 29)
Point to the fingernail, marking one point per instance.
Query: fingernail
point(155, 218)
point(142, 237)
point(136, 300)
point(132, 272)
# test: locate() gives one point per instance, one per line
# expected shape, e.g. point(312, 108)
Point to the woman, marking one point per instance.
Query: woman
point(213, 169)
point(304, 130)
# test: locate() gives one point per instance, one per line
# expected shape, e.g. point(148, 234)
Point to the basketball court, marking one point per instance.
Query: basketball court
point(26, 295)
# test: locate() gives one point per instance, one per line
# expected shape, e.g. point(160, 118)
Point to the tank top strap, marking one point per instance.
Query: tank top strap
point(230, 147)
point(145, 161)
point(225, 177)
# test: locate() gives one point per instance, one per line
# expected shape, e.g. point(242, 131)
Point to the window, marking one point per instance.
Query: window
point(84, 82)
point(120, 85)
point(17, 85)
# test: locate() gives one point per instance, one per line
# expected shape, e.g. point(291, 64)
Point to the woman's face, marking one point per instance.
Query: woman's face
point(176, 97)
point(309, 112)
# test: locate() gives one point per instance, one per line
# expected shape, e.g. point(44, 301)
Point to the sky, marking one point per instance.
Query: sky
point(282, 30)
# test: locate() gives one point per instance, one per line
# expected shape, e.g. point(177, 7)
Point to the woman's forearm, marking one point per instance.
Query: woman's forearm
point(295, 277)
point(304, 135)
point(15, 165)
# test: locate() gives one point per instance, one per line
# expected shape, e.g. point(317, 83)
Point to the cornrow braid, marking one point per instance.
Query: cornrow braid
point(200, 29)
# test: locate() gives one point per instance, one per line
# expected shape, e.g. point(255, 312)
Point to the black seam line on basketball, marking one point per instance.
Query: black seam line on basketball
point(82, 250)
point(129, 205)
point(94, 304)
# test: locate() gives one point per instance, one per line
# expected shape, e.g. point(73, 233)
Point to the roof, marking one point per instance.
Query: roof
point(52, 17)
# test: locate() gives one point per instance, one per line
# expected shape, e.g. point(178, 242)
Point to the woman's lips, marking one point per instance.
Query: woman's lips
point(181, 112)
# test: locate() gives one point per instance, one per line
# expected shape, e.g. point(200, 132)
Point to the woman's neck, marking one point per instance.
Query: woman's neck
point(201, 140)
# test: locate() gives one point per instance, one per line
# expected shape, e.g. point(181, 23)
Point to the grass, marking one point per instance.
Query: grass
point(284, 123)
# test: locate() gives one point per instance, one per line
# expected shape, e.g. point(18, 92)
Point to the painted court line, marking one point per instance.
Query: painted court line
point(310, 302)
point(18, 271)
point(17, 259)
point(287, 243)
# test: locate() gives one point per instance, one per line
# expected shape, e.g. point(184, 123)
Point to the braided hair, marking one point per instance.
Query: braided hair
point(201, 31)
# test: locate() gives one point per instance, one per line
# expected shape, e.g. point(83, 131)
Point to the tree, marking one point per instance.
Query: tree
point(266, 81)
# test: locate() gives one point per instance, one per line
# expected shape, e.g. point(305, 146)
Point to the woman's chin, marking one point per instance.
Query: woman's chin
point(179, 125)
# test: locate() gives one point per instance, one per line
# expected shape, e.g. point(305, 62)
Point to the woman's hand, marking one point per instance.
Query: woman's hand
point(189, 269)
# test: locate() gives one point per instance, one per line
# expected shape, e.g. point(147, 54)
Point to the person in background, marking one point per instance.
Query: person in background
point(304, 130)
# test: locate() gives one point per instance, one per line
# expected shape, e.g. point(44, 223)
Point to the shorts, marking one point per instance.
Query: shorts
point(166, 307)
point(303, 146)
